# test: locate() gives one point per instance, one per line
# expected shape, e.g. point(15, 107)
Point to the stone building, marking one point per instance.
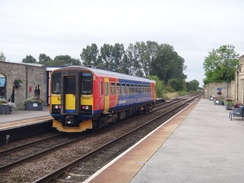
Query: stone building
point(233, 90)
point(19, 81)
point(239, 82)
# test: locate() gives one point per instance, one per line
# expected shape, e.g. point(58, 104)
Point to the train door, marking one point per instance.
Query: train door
point(106, 95)
point(153, 91)
point(70, 94)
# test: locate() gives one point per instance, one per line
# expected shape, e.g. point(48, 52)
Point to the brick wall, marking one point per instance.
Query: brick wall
point(31, 75)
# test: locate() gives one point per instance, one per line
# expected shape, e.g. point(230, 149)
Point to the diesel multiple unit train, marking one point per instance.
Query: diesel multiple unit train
point(85, 98)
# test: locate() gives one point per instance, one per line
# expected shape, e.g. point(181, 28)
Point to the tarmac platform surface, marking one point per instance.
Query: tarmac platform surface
point(206, 147)
point(23, 114)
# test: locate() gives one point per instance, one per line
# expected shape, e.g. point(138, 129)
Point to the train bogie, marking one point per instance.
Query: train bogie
point(85, 98)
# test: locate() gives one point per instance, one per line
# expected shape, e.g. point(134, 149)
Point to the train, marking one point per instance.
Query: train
point(84, 98)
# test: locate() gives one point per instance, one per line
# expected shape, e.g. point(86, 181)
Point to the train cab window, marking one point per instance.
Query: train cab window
point(118, 88)
point(112, 89)
point(56, 83)
point(69, 85)
point(86, 84)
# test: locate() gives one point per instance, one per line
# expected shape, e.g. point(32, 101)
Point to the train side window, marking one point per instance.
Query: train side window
point(101, 88)
point(118, 88)
point(136, 88)
point(123, 89)
point(56, 83)
point(127, 88)
point(139, 88)
point(106, 89)
point(131, 88)
point(112, 88)
point(86, 86)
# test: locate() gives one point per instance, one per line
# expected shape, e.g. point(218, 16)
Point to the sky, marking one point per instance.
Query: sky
point(65, 27)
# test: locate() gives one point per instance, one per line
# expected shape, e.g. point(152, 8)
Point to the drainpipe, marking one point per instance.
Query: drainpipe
point(26, 84)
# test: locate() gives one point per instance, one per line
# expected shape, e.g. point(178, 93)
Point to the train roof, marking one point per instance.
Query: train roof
point(103, 72)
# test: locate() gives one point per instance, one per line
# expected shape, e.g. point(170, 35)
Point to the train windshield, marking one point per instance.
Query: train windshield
point(56, 83)
point(86, 84)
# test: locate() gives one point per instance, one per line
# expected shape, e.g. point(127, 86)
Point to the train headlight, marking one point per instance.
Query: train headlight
point(56, 109)
point(85, 107)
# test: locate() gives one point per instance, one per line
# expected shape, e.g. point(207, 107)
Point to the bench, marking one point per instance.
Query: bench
point(237, 112)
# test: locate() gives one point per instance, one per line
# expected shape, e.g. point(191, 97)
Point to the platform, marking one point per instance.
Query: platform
point(19, 118)
point(201, 144)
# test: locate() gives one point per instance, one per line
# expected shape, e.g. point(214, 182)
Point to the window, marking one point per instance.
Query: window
point(2, 86)
point(70, 85)
point(127, 88)
point(86, 84)
point(112, 89)
point(118, 88)
point(101, 88)
point(131, 88)
point(56, 83)
point(106, 89)
point(136, 88)
point(123, 89)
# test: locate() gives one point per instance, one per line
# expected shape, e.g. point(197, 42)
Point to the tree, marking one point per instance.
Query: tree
point(64, 60)
point(105, 56)
point(178, 84)
point(44, 59)
point(221, 64)
point(167, 64)
point(29, 59)
point(89, 55)
point(117, 54)
point(159, 86)
point(192, 85)
point(2, 57)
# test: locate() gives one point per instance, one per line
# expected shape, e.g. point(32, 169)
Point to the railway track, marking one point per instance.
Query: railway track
point(91, 149)
point(11, 157)
point(75, 171)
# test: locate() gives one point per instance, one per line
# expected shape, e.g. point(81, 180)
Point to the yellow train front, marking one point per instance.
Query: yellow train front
point(85, 98)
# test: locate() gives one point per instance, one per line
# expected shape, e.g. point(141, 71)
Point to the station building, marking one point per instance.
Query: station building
point(233, 90)
point(20, 81)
